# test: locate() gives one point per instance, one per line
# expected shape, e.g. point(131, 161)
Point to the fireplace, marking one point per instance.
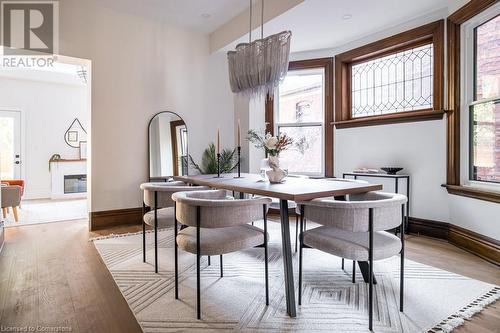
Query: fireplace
point(69, 179)
point(75, 184)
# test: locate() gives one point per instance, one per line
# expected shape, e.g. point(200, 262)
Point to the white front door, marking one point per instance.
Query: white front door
point(10, 144)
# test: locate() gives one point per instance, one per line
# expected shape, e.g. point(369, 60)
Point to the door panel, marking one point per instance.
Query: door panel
point(10, 144)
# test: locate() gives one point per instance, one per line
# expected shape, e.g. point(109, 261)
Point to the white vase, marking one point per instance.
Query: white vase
point(271, 169)
point(276, 176)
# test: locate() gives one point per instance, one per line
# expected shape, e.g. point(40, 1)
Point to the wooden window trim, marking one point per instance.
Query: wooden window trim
point(327, 64)
point(453, 24)
point(473, 192)
point(432, 32)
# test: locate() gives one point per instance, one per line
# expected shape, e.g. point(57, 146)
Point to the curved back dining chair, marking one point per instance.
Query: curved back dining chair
point(216, 225)
point(158, 197)
point(354, 230)
point(345, 197)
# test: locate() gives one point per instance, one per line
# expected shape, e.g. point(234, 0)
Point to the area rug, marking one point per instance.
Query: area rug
point(435, 300)
point(46, 211)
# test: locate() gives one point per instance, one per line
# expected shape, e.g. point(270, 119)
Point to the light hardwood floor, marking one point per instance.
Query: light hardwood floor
point(52, 276)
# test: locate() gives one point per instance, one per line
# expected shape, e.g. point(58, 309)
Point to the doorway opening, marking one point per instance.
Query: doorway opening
point(44, 142)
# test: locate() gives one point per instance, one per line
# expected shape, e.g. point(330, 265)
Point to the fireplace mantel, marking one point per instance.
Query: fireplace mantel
point(65, 167)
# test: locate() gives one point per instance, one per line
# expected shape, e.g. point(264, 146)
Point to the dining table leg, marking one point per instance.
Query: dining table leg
point(287, 260)
point(364, 267)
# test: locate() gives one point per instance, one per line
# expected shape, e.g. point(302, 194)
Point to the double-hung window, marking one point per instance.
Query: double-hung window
point(299, 112)
point(302, 107)
point(481, 100)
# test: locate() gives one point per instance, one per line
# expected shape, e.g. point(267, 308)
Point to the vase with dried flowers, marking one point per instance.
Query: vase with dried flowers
point(273, 146)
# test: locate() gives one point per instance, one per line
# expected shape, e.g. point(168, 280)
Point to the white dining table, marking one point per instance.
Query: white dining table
point(292, 189)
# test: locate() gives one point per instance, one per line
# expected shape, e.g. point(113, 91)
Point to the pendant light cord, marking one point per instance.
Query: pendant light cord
point(262, 20)
point(250, 27)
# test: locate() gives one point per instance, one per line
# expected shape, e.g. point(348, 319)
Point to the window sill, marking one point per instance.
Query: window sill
point(403, 117)
point(472, 192)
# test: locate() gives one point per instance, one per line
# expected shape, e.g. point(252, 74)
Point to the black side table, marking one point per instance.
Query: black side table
point(396, 178)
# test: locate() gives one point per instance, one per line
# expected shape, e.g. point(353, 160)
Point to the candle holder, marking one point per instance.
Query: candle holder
point(239, 162)
point(218, 165)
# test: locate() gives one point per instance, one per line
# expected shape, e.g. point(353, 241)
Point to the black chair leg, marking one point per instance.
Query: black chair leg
point(296, 231)
point(143, 234)
point(370, 258)
point(221, 267)
point(353, 271)
point(402, 264)
point(266, 255)
point(175, 255)
point(301, 247)
point(208, 260)
point(342, 263)
point(156, 232)
point(198, 284)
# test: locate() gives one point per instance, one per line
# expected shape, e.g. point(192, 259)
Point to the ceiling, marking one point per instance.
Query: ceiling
point(190, 14)
point(315, 24)
point(319, 24)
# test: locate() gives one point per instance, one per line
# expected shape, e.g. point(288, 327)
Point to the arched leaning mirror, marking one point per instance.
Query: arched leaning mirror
point(168, 146)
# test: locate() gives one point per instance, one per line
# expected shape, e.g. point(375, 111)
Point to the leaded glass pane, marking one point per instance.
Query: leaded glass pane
point(395, 83)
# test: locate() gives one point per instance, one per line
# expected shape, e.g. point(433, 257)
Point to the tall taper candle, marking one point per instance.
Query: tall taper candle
point(239, 134)
point(218, 141)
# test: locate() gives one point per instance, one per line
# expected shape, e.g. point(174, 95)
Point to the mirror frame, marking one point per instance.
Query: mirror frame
point(163, 179)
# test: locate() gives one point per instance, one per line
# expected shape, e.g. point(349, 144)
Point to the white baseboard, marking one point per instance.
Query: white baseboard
point(69, 196)
point(37, 194)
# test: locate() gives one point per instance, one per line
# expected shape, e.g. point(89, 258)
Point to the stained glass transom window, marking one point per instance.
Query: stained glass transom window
point(399, 82)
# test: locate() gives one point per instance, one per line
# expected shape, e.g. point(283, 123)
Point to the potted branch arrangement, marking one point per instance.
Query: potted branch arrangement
point(208, 165)
point(273, 146)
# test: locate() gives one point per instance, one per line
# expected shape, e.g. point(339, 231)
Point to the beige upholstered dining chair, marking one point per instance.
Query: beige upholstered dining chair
point(11, 197)
point(344, 198)
point(354, 230)
point(158, 197)
point(216, 225)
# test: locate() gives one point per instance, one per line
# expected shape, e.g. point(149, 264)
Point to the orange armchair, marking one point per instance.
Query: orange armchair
point(11, 182)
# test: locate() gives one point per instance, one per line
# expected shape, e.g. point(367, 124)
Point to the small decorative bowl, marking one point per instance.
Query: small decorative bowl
point(391, 170)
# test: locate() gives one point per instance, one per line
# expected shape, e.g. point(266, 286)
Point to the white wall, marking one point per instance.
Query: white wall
point(140, 67)
point(476, 215)
point(47, 109)
point(218, 108)
point(418, 147)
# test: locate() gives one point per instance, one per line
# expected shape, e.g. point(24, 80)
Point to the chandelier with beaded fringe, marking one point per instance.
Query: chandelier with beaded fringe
point(258, 67)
